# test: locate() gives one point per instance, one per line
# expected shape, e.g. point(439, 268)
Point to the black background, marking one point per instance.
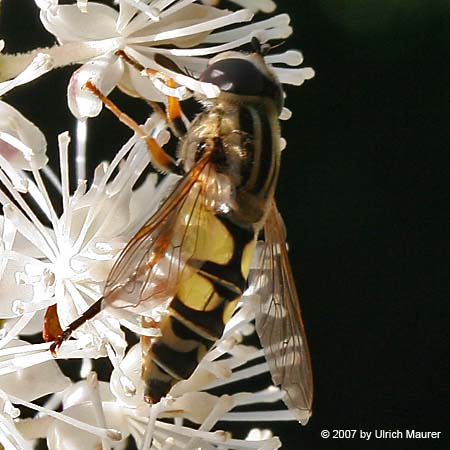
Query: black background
point(362, 192)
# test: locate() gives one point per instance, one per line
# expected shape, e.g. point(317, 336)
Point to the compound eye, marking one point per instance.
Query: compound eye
point(236, 76)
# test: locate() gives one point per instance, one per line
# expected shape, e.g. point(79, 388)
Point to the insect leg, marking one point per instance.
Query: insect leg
point(174, 114)
point(160, 159)
point(91, 312)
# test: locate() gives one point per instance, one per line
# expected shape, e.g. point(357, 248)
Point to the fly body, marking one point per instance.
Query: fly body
point(238, 137)
point(194, 253)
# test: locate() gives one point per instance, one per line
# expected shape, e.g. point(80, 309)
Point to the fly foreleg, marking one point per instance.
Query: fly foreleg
point(159, 158)
point(173, 115)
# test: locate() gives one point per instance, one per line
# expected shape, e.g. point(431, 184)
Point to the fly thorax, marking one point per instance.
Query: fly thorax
point(202, 134)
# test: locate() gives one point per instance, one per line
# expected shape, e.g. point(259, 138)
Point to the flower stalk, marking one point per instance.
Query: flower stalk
point(60, 55)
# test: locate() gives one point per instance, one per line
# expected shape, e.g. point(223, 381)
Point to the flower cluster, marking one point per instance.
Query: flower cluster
point(50, 259)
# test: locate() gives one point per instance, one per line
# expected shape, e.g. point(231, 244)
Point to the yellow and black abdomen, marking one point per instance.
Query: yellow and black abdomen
point(219, 235)
point(211, 284)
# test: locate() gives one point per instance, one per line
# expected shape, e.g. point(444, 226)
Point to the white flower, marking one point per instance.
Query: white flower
point(254, 5)
point(67, 264)
point(99, 406)
point(27, 383)
point(157, 36)
point(22, 144)
point(64, 265)
point(50, 258)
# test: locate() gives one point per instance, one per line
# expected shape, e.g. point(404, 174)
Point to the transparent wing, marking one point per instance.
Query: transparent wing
point(148, 270)
point(279, 323)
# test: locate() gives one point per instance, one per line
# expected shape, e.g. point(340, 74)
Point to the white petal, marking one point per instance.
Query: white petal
point(143, 86)
point(35, 233)
point(173, 24)
point(41, 64)
point(17, 177)
point(104, 72)
point(279, 22)
point(126, 13)
point(11, 291)
point(11, 240)
point(196, 406)
point(200, 379)
point(11, 263)
point(82, 5)
point(139, 6)
point(286, 114)
point(35, 428)
point(126, 383)
point(290, 57)
point(21, 142)
point(48, 5)
point(294, 76)
point(191, 25)
point(209, 90)
point(258, 434)
point(80, 393)
point(34, 326)
point(69, 24)
point(10, 437)
point(103, 217)
point(62, 436)
point(266, 6)
point(33, 382)
point(8, 233)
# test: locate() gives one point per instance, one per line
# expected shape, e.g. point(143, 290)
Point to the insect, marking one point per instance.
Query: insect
point(197, 248)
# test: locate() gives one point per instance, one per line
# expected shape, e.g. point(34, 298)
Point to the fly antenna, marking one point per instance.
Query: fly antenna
point(263, 49)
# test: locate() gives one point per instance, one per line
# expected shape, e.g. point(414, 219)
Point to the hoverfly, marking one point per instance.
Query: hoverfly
point(197, 248)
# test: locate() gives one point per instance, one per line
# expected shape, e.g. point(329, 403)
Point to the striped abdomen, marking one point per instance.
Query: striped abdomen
point(212, 283)
point(244, 139)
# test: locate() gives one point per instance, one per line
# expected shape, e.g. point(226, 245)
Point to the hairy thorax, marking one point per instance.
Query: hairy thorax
point(244, 138)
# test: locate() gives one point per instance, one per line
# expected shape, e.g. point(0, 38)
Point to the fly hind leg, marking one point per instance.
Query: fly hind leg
point(91, 312)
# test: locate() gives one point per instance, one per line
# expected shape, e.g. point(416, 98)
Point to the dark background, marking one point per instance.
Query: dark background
point(363, 195)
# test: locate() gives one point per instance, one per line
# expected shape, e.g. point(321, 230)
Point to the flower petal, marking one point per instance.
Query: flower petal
point(209, 90)
point(32, 382)
point(69, 24)
point(80, 393)
point(11, 291)
point(104, 72)
point(126, 382)
point(266, 6)
point(294, 76)
point(191, 22)
point(62, 436)
point(21, 142)
point(34, 326)
point(134, 83)
point(40, 65)
point(196, 406)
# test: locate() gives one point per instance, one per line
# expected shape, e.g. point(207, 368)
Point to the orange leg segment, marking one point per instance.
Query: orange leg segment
point(160, 159)
point(174, 115)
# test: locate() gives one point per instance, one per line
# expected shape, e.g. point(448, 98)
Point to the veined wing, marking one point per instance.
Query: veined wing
point(279, 323)
point(148, 270)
